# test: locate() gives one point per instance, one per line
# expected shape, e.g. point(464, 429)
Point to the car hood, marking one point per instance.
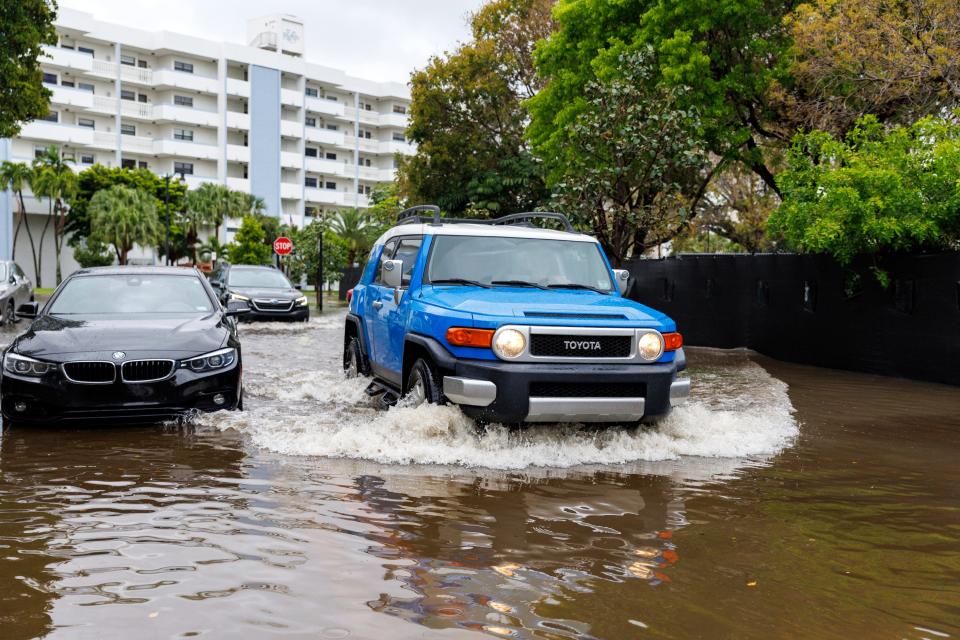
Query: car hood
point(554, 307)
point(96, 335)
point(279, 294)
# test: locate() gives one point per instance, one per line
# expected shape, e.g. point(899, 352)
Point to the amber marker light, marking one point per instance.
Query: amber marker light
point(672, 341)
point(464, 337)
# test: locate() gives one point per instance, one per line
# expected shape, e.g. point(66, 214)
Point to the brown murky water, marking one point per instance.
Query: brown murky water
point(783, 502)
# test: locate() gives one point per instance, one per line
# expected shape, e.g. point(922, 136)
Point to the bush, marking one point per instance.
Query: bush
point(248, 244)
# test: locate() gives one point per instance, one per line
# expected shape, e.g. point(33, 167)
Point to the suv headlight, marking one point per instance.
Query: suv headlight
point(302, 301)
point(650, 346)
point(211, 361)
point(237, 296)
point(24, 366)
point(509, 343)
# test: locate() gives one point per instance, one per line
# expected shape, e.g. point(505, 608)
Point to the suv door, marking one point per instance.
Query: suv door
point(395, 315)
point(374, 313)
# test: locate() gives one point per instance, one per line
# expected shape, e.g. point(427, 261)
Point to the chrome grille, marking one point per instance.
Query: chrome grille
point(90, 372)
point(261, 304)
point(146, 370)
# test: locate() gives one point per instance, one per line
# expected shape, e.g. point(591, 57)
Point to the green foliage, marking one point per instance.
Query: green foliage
point(92, 253)
point(638, 168)
point(353, 226)
point(248, 245)
point(306, 255)
point(467, 117)
point(25, 25)
point(123, 217)
point(55, 180)
point(16, 176)
point(874, 191)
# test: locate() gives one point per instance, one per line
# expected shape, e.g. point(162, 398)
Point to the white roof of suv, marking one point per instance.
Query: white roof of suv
point(468, 229)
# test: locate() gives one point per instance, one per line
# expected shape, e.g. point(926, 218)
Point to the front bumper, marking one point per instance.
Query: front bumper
point(610, 393)
point(53, 399)
point(299, 314)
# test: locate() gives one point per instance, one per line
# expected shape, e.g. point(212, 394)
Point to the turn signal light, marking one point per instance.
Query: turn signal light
point(464, 337)
point(672, 341)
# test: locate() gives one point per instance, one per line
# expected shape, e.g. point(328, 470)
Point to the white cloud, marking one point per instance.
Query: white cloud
point(380, 40)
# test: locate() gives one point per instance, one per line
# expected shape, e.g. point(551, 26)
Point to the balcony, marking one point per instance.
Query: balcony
point(137, 144)
point(164, 78)
point(370, 146)
point(290, 191)
point(136, 75)
point(186, 149)
point(239, 184)
point(323, 136)
point(356, 200)
point(291, 129)
point(72, 97)
point(104, 69)
point(394, 120)
point(236, 87)
point(59, 133)
point(238, 120)
point(136, 110)
point(185, 115)
point(323, 196)
point(238, 153)
point(328, 167)
point(372, 173)
point(291, 98)
point(321, 105)
point(366, 117)
point(291, 160)
point(67, 59)
point(395, 146)
point(195, 181)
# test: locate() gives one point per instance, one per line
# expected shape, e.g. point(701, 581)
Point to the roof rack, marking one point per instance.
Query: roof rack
point(412, 216)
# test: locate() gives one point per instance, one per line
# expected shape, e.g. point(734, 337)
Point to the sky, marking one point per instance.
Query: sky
point(382, 40)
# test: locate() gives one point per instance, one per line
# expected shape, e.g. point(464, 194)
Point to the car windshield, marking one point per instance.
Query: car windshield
point(543, 262)
point(258, 279)
point(139, 293)
point(3, 271)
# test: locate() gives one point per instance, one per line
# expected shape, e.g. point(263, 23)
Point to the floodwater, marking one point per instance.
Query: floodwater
point(782, 502)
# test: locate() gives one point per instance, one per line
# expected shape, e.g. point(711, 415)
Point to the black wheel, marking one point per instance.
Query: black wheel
point(8, 316)
point(422, 385)
point(353, 360)
point(240, 401)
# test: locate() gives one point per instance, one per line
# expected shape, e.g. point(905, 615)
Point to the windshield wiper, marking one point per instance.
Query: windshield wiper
point(519, 283)
point(574, 285)
point(460, 281)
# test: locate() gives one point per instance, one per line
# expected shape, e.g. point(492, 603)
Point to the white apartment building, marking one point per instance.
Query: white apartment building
point(258, 118)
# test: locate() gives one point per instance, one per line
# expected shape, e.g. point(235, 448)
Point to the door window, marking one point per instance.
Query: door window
point(407, 251)
point(386, 254)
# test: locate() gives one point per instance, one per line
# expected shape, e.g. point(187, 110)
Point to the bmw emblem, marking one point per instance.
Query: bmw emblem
point(119, 355)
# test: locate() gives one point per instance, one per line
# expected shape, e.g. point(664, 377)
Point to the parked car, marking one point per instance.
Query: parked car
point(512, 322)
point(269, 293)
point(15, 289)
point(127, 344)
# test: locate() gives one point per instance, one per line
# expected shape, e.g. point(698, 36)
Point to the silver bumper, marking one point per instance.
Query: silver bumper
point(585, 409)
point(476, 393)
point(679, 391)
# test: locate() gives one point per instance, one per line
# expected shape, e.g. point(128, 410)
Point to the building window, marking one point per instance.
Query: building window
point(183, 134)
point(310, 181)
point(333, 127)
point(128, 129)
point(398, 137)
point(39, 152)
point(53, 116)
point(312, 93)
point(142, 64)
point(332, 98)
point(179, 65)
point(183, 101)
point(144, 165)
point(310, 122)
point(86, 122)
point(365, 134)
point(49, 78)
point(330, 185)
point(67, 83)
point(130, 61)
point(399, 108)
point(86, 158)
point(310, 211)
point(331, 155)
point(86, 50)
point(141, 97)
point(86, 86)
point(367, 107)
point(128, 163)
point(126, 94)
point(310, 152)
point(186, 168)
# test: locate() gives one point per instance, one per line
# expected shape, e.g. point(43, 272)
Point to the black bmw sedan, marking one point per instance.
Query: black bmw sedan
point(268, 292)
point(124, 344)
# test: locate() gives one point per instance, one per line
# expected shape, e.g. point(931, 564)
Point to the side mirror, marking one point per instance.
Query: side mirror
point(13, 280)
point(28, 310)
point(393, 273)
point(622, 276)
point(237, 308)
point(298, 287)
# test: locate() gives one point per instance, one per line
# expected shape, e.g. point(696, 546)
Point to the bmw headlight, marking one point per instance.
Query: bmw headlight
point(650, 346)
point(211, 361)
point(24, 366)
point(509, 343)
point(302, 301)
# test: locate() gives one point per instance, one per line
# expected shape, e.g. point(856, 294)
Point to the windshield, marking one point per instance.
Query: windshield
point(491, 259)
point(141, 293)
point(257, 279)
point(3, 271)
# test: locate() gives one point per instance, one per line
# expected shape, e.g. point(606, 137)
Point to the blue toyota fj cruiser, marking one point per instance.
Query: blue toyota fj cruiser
point(512, 322)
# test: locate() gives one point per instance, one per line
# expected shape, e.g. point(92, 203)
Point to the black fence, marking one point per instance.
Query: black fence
point(809, 309)
point(349, 278)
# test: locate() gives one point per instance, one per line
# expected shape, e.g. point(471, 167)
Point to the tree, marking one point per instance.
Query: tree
point(874, 191)
point(306, 254)
point(735, 207)
point(25, 25)
point(467, 118)
point(896, 59)
point(55, 180)
point(124, 217)
point(726, 53)
point(15, 176)
point(92, 253)
point(353, 227)
point(217, 202)
point(637, 173)
point(248, 243)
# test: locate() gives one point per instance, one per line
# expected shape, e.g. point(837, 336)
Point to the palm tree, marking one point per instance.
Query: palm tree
point(352, 226)
point(15, 176)
point(124, 217)
point(56, 180)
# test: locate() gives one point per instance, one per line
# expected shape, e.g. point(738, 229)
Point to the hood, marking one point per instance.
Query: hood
point(279, 294)
point(538, 307)
point(139, 337)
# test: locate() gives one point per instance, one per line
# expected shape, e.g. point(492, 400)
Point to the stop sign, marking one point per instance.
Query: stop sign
point(282, 246)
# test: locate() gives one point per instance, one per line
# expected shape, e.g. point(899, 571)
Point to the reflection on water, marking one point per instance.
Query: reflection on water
point(308, 517)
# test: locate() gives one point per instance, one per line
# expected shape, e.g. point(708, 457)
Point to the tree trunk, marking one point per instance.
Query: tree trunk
point(58, 239)
point(33, 247)
point(43, 235)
